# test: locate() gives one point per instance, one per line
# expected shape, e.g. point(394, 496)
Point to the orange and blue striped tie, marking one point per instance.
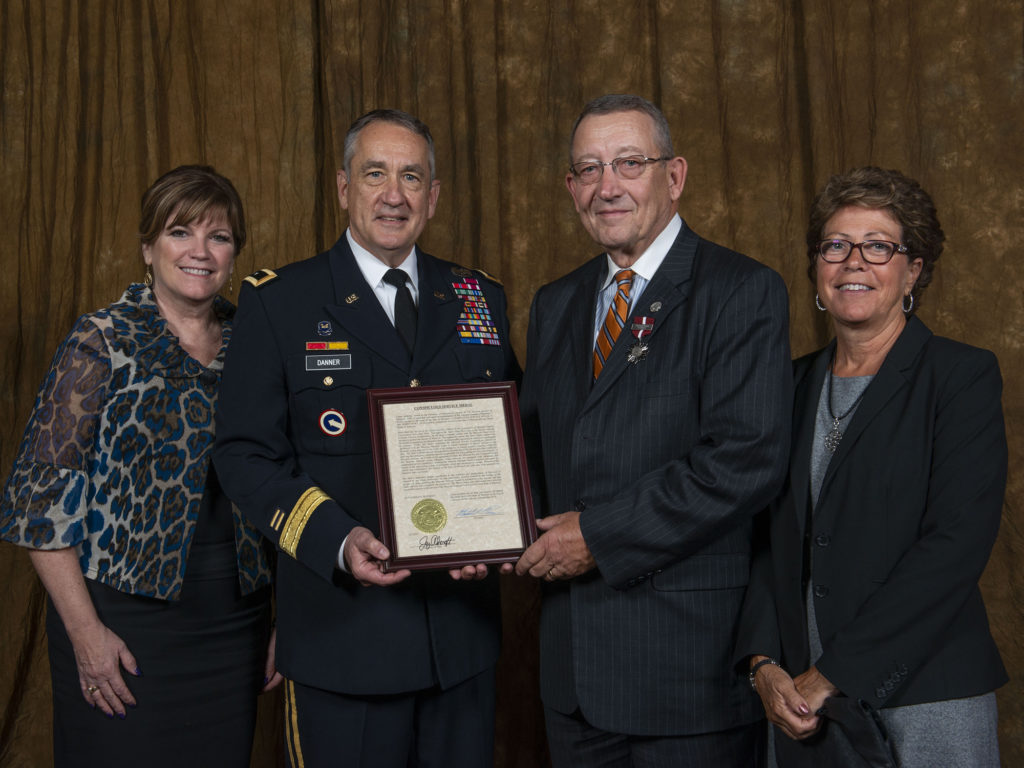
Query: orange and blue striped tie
point(614, 321)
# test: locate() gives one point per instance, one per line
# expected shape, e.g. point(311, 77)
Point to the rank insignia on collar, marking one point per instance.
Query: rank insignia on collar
point(323, 328)
point(351, 299)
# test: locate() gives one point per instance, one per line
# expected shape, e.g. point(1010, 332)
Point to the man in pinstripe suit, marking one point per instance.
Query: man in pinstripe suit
point(656, 407)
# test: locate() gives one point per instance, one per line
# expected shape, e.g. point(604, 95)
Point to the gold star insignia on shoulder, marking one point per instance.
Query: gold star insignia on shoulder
point(490, 277)
point(261, 277)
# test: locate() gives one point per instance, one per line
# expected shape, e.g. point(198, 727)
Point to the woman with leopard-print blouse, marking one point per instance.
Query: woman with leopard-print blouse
point(158, 617)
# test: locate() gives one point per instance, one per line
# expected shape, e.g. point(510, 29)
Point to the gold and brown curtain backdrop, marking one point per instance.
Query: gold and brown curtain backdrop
point(766, 99)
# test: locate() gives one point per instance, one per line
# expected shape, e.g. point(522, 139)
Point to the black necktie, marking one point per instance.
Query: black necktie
point(405, 310)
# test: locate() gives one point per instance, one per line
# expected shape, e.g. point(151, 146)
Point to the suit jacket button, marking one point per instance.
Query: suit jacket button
point(823, 540)
point(580, 505)
point(881, 693)
point(820, 590)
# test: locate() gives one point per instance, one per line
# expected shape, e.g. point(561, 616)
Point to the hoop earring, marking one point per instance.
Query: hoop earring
point(148, 279)
point(817, 303)
point(906, 309)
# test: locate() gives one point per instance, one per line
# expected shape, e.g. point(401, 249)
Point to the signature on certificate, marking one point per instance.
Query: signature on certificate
point(478, 511)
point(428, 543)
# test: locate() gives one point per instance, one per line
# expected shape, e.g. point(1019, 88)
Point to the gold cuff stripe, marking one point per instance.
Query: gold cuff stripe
point(275, 521)
point(298, 517)
point(291, 727)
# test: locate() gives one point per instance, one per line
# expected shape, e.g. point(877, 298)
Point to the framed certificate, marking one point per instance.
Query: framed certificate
point(452, 484)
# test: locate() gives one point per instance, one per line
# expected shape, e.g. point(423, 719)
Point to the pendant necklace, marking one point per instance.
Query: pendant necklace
point(835, 435)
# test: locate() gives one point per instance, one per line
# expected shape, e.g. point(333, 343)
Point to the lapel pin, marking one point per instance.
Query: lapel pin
point(351, 299)
point(655, 306)
point(323, 328)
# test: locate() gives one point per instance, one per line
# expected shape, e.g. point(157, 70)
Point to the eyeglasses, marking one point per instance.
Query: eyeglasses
point(630, 167)
point(837, 251)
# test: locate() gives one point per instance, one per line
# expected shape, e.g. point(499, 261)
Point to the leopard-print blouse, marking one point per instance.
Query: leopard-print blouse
point(116, 453)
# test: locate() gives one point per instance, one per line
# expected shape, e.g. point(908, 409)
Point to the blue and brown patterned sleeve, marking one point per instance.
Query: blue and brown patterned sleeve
point(45, 499)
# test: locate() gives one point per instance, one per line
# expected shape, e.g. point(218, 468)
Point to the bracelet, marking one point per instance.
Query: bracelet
point(753, 671)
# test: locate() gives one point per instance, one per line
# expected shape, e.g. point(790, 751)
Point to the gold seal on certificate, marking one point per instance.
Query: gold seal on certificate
point(429, 516)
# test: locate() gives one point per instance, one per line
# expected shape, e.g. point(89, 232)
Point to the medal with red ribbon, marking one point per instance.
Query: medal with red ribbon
point(641, 327)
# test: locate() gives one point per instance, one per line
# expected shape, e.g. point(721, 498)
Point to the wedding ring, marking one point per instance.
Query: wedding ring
point(92, 689)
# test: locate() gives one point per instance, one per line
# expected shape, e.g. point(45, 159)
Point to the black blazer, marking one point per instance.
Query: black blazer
point(669, 459)
point(906, 518)
point(272, 449)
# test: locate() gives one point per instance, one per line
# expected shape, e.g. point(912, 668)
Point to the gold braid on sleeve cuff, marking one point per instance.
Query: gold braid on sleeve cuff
point(298, 517)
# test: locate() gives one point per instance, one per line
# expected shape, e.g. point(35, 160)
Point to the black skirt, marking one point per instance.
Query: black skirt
point(202, 666)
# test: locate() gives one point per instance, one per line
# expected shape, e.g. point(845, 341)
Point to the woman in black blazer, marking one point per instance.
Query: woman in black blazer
point(865, 596)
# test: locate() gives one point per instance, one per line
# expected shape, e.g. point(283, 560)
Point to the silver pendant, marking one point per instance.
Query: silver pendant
point(833, 437)
point(637, 353)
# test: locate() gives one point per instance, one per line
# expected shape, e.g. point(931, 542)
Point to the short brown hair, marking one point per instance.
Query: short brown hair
point(891, 191)
point(190, 193)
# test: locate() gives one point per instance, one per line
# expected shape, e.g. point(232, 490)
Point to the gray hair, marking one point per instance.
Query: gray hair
point(395, 117)
point(625, 102)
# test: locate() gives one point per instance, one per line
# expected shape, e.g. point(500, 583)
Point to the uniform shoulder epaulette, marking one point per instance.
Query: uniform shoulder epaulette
point(261, 277)
point(490, 277)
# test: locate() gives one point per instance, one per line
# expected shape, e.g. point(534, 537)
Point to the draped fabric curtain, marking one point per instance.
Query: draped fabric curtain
point(765, 99)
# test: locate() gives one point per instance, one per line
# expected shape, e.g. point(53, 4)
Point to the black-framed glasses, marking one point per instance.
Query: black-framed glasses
point(629, 167)
point(837, 250)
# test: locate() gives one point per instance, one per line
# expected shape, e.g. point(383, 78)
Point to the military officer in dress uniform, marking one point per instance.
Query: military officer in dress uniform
point(383, 669)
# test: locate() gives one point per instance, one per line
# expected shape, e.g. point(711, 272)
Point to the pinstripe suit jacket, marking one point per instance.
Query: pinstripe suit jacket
point(668, 459)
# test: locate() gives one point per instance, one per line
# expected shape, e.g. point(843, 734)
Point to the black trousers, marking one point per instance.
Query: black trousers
point(575, 743)
point(432, 728)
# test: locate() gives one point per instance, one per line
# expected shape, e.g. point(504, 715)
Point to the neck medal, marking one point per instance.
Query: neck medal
point(640, 328)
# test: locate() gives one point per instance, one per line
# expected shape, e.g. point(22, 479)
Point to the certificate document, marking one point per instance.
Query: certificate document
point(452, 487)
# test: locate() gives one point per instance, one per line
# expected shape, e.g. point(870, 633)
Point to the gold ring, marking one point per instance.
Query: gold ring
point(92, 689)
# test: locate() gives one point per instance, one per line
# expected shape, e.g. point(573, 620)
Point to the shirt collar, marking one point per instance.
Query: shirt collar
point(651, 259)
point(373, 269)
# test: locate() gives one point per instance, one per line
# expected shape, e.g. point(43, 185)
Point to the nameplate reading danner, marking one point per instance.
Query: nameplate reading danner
point(328, 362)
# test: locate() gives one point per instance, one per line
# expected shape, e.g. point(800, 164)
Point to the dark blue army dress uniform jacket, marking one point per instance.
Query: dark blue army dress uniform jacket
point(293, 451)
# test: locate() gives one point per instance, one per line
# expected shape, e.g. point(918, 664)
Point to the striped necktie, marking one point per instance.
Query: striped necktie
point(614, 321)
